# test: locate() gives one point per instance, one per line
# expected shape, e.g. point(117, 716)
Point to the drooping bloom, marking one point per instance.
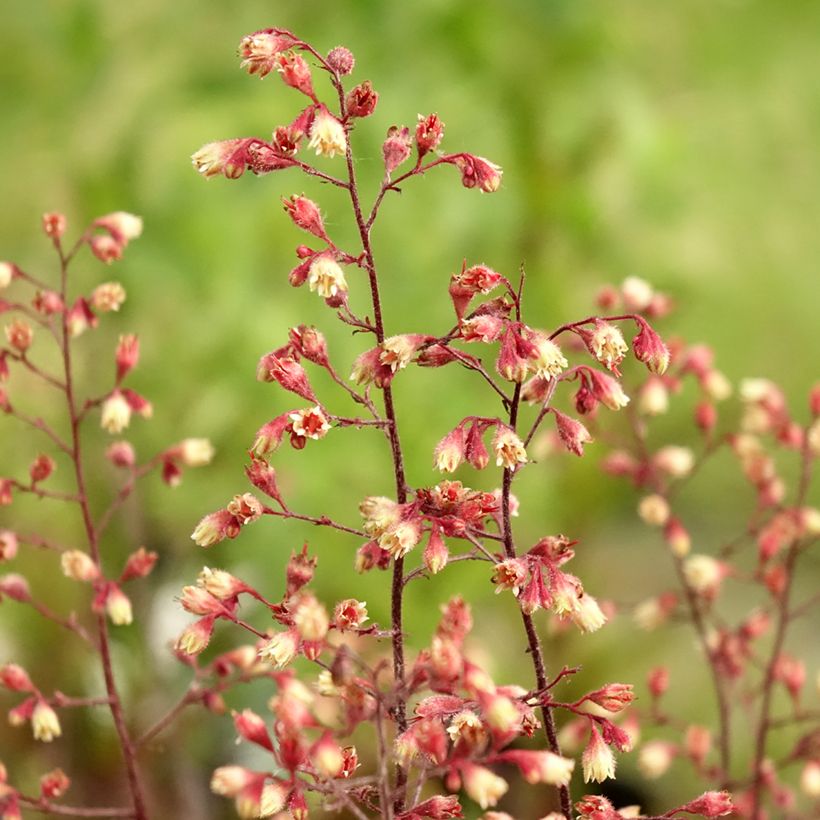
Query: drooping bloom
point(327, 134)
point(326, 277)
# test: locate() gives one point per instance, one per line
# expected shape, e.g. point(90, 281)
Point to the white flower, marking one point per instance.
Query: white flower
point(326, 277)
point(327, 134)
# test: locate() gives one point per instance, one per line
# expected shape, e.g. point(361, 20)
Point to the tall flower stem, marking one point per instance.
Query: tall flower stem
point(115, 703)
point(533, 641)
point(397, 586)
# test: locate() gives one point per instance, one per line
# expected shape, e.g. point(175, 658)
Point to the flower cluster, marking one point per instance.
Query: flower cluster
point(439, 723)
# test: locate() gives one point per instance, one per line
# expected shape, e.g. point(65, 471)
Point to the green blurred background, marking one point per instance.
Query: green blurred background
point(676, 142)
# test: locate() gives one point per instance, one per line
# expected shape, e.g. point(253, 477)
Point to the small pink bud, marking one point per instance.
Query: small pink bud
point(706, 416)
point(814, 401)
point(295, 73)
point(477, 172)
point(138, 565)
point(572, 433)
point(196, 637)
point(54, 784)
point(607, 390)
point(105, 248)
point(80, 318)
point(54, 225)
point(474, 449)
point(15, 587)
point(429, 133)
point(127, 355)
point(252, 727)
point(438, 807)
point(305, 215)
point(361, 101)
point(613, 697)
point(290, 375)
point(310, 343)
point(595, 807)
point(650, 349)
point(396, 148)
point(711, 804)
point(436, 554)
point(449, 452)
point(15, 678)
point(121, 454)
point(263, 477)
point(48, 302)
point(41, 468)
point(269, 436)
point(299, 571)
point(698, 743)
point(341, 60)
point(20, 335)
point(5, 492)
point(122, 226)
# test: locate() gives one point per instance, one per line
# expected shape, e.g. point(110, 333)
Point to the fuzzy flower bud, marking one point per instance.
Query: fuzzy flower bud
point(508, 448)
point(572, 433)
point(326, 277)
point(259, 50)
point(606, 343)
point(305, 215)
point(41, 468)
point(429, 133)
point(711, 804)
point(361, 101)
point(436, 554)
point(396, 148)
point(15, 678)
point(341, 60)
point(20, 335)
point(400, 538)
point(79, 566)
point(118, 607)
point(295, 73)
point(116, 413)
point(45, 724)
point(54, 225)
point(327, 134)
point(650, 349)
point(597, 760)
point(449, 452)
point(281, 649)
point(478, 172)
point(53, 784)
point(127, 355)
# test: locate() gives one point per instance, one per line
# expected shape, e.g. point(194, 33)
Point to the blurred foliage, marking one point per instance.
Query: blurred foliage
point(676, 142)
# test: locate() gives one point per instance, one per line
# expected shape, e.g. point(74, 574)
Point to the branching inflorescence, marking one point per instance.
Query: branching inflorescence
point(440, 723)
point(60, 319)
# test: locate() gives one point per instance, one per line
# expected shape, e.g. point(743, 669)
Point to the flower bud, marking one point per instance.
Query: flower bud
point(658, 681)
point(108, 297)
point(482, 785)
point(327, 134)
point(478, 172)
point(436, 554)
point(15, 678)
point(15, 587)
point(326, 277)
point(305, 215)
point(123, 227)
point(449, 452)
point(41, 468)
point(654, 510)
point(53, 784)
point(127, 355)
point(697, 743)
point(655, 758)
point(341, 60)
point(259, 50)
point(139, 565)
point(704, 574)
point(118, 606)
point(396, 148)
point(508, 448)
point(48, 302)
point(252, 728)
point(54, 225)
point(597, 760)
point(650, 349)
point(572, 433)
point(711, 804)
point(677, 537)
point(281, 649)
point(310, 343)
point(196, 637)
point(105, 248)
point(116, 413)
point(295, 73)
point(79, 566)
point(45, 724)
point(606, 343)
point(361, 101)
point(328, 759)
point(20, 335)
point(429, 133)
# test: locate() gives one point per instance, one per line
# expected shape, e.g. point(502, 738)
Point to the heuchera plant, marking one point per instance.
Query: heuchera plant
point(54, 313)
point(441, 724)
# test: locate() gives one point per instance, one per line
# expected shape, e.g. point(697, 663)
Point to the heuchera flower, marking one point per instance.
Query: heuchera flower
point(327, 134)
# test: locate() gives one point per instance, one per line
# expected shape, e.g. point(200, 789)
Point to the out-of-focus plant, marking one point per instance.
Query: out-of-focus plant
point(35, 310)
point(438, 723)
point(746, 653)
